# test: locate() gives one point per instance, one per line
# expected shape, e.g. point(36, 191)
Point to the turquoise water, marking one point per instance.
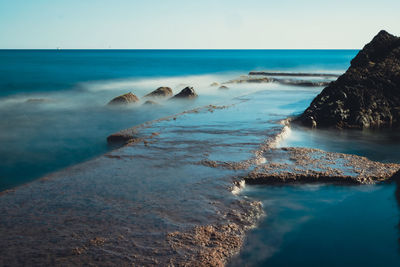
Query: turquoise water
point(72, 124)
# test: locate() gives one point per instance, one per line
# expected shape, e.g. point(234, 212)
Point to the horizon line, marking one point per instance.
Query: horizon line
point(175, 49)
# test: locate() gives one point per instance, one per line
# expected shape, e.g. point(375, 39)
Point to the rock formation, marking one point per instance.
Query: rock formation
point(124, 99)
point(367, 95)
point(187, 92)
point(160, 92)
point(223, 87)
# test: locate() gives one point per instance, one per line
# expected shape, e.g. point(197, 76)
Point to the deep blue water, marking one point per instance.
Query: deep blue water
point(25, 71)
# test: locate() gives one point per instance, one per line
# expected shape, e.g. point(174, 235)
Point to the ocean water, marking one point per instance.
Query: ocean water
point(304, 225)
point(72, 124)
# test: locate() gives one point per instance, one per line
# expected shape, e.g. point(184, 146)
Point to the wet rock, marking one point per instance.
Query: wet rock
point(306, 165)
point(160, 92)
point(367, 95)
point(125, 99)
point(396, 176)
point(118, 138)
point(187, 92)
point(223, 87)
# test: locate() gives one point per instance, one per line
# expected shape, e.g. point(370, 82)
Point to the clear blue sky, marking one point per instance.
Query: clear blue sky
point(195, 24)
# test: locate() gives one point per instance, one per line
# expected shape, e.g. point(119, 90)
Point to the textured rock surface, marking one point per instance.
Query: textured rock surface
point(160, 92)
point(124, 99)
point(187, 92)
point(367, 95)
point(305, 165)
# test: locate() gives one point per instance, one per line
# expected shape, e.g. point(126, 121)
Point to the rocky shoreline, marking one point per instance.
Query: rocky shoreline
point(96, 213)
point(367, 95)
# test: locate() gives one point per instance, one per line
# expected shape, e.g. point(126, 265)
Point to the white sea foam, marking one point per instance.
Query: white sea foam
point(238, 187)
point(142, 86)
point(279, 138)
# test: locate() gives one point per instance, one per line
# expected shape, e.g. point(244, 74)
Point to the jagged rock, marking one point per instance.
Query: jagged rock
point(124, 99)
point(223, 87)
point(160, 92)
point(187, 92)
point(367, 95)
point(150, 103)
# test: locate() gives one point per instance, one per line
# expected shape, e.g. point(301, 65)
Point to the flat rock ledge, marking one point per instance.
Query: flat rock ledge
point(201, 242)
point(306, 165)
point(283, 81)
point(294, 74)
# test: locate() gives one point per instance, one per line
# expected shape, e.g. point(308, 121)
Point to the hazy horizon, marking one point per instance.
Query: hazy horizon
point(176, 24)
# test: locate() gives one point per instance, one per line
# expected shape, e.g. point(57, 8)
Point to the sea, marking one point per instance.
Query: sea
point(54, 114)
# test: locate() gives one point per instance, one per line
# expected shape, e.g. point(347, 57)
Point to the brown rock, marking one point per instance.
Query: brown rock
point(124, 99)
point(160, 92)
point(187, 92)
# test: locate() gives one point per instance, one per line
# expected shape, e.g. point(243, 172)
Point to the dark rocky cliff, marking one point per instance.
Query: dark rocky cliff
point(367, 95)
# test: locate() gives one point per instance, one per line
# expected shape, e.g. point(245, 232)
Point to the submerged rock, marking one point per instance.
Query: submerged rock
point(160, 92)
point(124, 99)
point(37, 100)
point(214, 84)
point(150, 103)
point(247, 79)
point(223, 87)
point(367, 95)
point(187, 92)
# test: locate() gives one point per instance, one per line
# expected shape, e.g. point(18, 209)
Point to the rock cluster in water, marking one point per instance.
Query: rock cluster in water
point(367, 95)
point(161, 92)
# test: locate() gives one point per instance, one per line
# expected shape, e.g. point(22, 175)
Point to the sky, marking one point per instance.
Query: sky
point(203, 24)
